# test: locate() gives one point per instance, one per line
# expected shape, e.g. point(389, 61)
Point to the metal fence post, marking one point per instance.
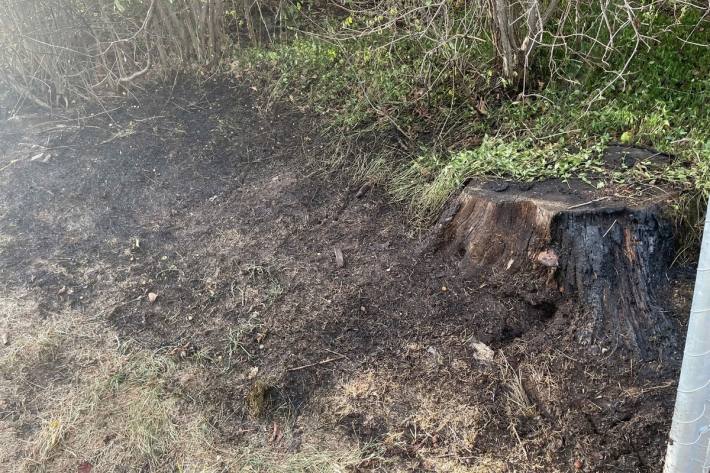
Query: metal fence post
point(689, 442)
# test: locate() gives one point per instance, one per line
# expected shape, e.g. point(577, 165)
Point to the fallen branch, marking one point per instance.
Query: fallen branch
point(135, 75)
point(329, 360)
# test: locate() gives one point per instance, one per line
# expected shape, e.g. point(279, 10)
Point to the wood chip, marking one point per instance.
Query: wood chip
point(339, 258)
point(548, 258)
point(276, 433)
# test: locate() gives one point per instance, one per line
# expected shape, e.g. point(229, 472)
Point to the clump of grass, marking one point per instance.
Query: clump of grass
point(260, 398)
point(308, 461)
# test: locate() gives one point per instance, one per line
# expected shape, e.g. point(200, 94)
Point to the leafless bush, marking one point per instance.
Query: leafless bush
point(53, 52)
point(554, 35)
point(604, 34)
point(263, 21)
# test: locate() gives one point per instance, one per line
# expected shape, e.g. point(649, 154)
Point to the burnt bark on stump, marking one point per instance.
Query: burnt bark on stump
point(608, 257)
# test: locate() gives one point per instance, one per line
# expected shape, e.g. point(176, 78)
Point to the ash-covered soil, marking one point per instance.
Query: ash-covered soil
point(196, 199)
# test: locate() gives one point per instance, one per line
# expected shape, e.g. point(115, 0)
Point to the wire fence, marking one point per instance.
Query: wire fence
point(689, 442)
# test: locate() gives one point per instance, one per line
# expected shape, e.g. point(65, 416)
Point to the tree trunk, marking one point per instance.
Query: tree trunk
point(505, 40)
point(608, 257)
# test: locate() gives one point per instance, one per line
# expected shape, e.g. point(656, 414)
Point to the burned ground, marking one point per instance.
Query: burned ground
point(200, 197)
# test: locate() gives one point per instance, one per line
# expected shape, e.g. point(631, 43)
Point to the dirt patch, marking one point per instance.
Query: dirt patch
point(197, 196)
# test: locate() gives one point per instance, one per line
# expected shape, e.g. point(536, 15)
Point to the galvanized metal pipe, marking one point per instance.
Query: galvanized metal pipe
point(689, 442)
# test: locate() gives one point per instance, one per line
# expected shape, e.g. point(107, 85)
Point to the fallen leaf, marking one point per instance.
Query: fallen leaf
point(85, 467)
point(482, 107)
point(152, 297)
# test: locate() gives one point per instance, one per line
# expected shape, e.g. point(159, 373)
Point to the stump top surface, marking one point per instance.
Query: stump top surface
point(573, 195)
point(577, 195)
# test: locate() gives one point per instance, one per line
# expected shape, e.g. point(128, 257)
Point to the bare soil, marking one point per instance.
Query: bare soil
point(199, 197)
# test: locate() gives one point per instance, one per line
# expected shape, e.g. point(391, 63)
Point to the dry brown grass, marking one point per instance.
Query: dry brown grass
point(73, 392)
point(443, 429)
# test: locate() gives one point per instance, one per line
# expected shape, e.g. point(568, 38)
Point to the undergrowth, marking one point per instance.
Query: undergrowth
point(422, 142)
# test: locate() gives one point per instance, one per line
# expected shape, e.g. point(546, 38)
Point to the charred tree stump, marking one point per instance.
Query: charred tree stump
point(608, 257)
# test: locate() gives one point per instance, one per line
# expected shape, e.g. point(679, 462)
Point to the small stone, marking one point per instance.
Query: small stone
point(482, 352)
point(152, 297)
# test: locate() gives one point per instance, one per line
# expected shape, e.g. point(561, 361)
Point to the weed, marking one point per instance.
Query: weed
point(235, 341)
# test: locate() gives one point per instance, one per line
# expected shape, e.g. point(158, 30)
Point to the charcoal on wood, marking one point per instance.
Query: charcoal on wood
point(608, 257)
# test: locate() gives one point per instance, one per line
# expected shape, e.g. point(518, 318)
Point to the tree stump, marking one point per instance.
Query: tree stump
point(607, 256)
